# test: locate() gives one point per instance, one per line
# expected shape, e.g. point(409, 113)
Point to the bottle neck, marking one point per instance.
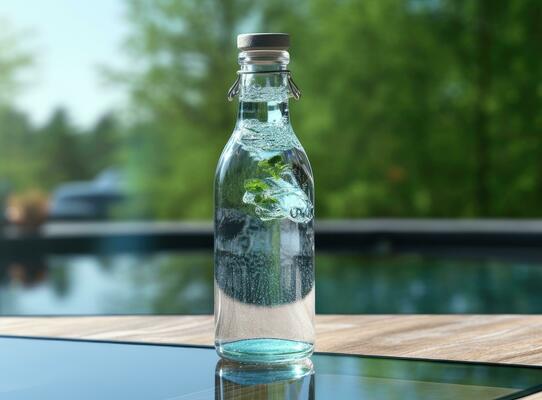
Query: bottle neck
point(263, 93)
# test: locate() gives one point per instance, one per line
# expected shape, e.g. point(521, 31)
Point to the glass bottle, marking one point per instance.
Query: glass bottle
point(264, 207)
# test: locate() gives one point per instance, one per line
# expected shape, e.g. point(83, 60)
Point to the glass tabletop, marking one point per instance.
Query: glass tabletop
point(76, 369)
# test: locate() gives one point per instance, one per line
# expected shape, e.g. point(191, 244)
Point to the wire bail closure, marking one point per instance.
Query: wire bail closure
point(235, 88)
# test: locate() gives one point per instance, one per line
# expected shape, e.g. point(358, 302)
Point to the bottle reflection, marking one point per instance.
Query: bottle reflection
point(235, 381)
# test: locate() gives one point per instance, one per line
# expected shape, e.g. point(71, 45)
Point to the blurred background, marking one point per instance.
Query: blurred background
point(115, 111)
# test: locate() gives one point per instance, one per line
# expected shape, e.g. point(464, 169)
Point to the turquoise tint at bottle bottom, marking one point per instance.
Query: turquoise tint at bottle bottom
point(265, 351)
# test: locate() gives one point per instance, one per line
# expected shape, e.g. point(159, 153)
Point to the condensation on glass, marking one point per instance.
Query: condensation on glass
point(264, 211)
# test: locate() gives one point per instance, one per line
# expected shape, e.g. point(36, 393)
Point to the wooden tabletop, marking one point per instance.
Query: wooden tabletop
point(513, 339)
point(501, 338)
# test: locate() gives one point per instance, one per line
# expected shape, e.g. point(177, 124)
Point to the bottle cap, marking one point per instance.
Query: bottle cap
point(263, 41)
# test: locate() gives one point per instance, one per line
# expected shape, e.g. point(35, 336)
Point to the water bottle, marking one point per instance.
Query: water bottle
point(263, 221)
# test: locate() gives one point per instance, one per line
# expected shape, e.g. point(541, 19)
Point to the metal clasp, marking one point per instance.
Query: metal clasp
point(294, 89)
point(234, 89)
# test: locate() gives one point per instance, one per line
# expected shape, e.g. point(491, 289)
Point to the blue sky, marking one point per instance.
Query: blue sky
point(70, 40)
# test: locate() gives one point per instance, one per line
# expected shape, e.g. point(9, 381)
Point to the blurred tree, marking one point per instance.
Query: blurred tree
point(381, 88)
point(13, 60)
point(509, 99)
point(17, 158)
point(102, 144)
point(179, 90)
point(384, 97)
point(41, 158)
point(19, 163)
point(431, 106)
point(61, 150)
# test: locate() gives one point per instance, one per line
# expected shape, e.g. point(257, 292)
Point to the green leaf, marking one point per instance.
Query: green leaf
point(267, 200)
point(275, 160)
point(273, 166)
point(255, 185)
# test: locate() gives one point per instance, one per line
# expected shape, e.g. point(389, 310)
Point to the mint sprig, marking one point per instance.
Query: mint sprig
point(273, 166)
point(255, 186)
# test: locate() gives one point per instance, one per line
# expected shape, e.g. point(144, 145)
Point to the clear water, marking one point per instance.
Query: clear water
point(277, 193)
point(291, 202)
point(269, 350)
point(259, 93)
point(262, 140)
point(264, 246)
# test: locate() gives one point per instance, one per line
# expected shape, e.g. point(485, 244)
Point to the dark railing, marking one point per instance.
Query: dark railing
point(455, 237)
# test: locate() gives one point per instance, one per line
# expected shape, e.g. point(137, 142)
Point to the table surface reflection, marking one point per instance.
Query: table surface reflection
point(57, 369)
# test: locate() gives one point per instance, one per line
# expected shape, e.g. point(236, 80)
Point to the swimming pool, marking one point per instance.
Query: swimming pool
point(182, 283)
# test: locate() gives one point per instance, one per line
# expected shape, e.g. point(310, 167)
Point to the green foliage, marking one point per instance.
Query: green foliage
point(19, 160)
point(418, 108)
point(180, 93)
point(273, 166)
point(42, 158)
point(13, 59)
point(255, 186)
point(61, 152)
point(410, 108)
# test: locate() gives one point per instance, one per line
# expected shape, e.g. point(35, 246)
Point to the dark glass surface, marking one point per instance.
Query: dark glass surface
point(182, 283)
point(66, 369)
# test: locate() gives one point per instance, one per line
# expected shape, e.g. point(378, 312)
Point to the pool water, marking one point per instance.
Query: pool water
point(182, 283)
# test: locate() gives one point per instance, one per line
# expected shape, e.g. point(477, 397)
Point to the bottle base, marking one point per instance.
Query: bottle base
point(264, 351)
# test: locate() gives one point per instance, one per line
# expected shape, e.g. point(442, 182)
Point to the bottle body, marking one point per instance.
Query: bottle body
point(264, 238)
